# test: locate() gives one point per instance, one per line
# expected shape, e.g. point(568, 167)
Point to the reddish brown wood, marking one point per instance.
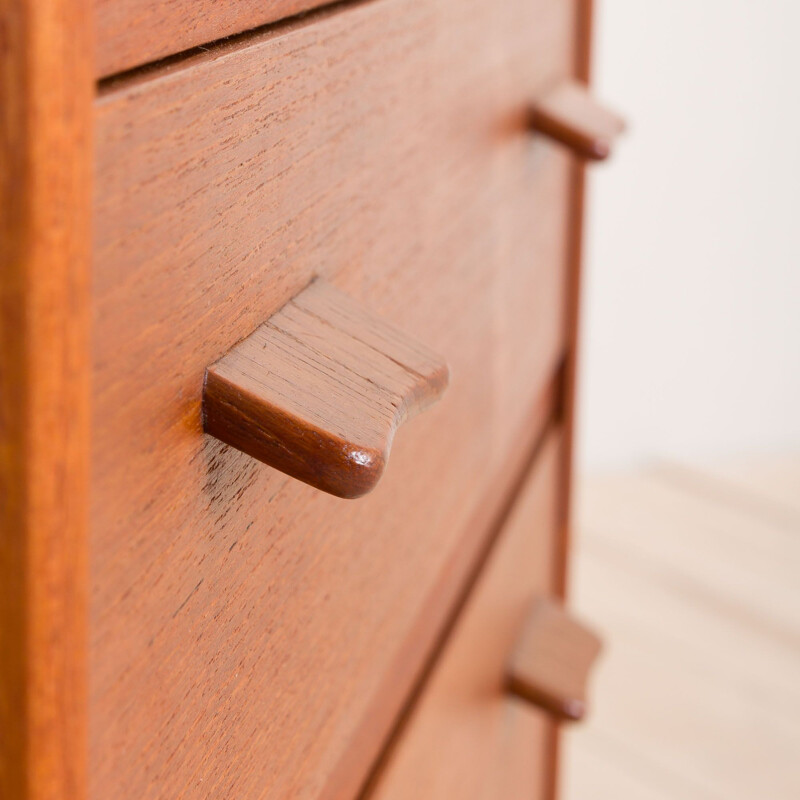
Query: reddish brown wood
point(134, 32)
point(231, 644)
point(46, 88)
point(319, 390)
point(464, 738)
point(569, 115)
point(551, 661)
point(434, 627)
point(582, 71)
point(231, 604)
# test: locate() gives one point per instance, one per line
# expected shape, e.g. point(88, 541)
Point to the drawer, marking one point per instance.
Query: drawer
point(129, 33)
point(249, 635)
point(466, 737)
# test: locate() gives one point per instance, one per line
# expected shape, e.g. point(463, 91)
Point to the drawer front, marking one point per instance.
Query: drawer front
point(466, 738)
point(129, 33)
point(248, 631)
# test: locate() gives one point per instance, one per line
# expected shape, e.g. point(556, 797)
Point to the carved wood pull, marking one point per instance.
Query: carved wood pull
point(570, 115)
point(319, 390)
point(551, 661)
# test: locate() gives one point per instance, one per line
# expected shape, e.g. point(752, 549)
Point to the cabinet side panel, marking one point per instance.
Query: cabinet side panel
point(574, 271)
point(583, 34)
point(46, 91)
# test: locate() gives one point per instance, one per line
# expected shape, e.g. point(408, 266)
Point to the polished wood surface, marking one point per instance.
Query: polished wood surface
point(466, 738)
point(45, 165)
point(570, 115)
point(551, 660)
point(228, 600)
point(319, 390)
point(231, 648)
point(130, 33)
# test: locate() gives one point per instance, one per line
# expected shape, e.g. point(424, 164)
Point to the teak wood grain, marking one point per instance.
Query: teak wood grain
point(319, 390)
point(46, 88)
point(570, 115)
point(130, 33)
point(465, 737)
point(552, 659)
point(248, 631)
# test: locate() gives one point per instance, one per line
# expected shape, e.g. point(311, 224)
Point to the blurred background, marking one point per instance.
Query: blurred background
point(688, 504)
point(691, 338)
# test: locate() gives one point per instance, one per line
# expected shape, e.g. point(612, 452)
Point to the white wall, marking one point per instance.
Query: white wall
point(691, 333)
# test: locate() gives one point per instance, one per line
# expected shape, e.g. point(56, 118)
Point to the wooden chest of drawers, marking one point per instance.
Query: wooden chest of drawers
point(229, 276)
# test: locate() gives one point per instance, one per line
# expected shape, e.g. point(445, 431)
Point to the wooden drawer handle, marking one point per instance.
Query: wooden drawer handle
point(319, 390)
point(570, 115)
point(551, 661)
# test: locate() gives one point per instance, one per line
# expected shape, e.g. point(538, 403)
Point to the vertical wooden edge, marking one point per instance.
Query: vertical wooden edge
point(582, 69)
point(574, 272)
point(46, 94)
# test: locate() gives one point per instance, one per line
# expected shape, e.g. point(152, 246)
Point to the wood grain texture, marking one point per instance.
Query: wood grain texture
point(46, 88)
point(229, 601)
point(465, 737)
point(570, 115)
point(550, 664)
point(130, 33)
point(319, 390)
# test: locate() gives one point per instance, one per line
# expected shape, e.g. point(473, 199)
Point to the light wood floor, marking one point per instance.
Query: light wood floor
point(693, 575)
